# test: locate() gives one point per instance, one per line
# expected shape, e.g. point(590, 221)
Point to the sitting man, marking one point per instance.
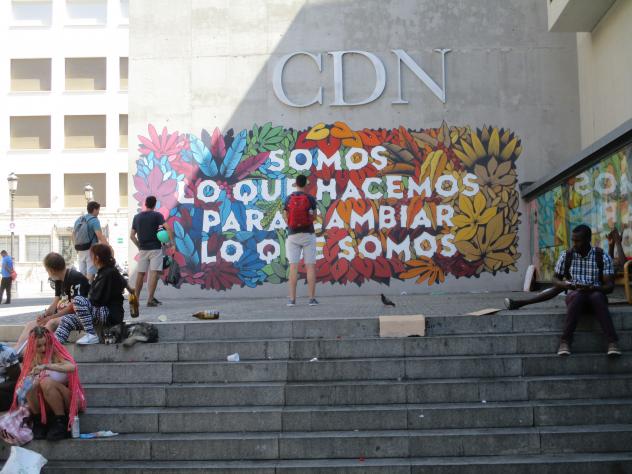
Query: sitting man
point(587, 273)
point(615, 247)
point(68, 284)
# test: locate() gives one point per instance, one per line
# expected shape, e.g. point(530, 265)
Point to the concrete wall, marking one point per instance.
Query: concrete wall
point(605, 73)
point(208, 63)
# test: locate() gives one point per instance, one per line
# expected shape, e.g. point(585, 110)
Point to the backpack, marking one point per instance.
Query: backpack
point(81, 233)
point(568, 260)
point(298, 207)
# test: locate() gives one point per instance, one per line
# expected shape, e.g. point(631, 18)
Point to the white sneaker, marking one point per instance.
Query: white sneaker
point(88, 339)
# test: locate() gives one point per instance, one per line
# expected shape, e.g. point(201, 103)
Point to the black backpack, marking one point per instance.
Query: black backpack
point(568, 261)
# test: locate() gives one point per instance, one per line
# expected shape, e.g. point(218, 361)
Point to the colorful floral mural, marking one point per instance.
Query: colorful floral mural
point(599, 197)
point(418, 205)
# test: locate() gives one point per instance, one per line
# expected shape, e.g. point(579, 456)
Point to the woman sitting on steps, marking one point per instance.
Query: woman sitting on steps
point(50, 382)
point(104, 304)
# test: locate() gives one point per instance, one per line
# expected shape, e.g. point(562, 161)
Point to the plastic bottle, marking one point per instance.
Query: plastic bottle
point(76, 431)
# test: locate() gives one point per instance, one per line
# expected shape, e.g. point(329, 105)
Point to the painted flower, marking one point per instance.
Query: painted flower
point(491, 246)
point(496, 176)
point(424, 269)
point(165, 144)
point(156, 185)
point(474, 213)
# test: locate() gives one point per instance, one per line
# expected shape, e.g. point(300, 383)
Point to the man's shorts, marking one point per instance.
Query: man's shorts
point(85, 263)
point(150, 259)
point(302, 242)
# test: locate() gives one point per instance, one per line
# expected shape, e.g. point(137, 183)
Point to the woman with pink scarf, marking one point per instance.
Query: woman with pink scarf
point(49, 382)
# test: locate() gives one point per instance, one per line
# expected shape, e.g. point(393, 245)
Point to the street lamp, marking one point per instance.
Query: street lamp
point(12, 180)
point(88, 192)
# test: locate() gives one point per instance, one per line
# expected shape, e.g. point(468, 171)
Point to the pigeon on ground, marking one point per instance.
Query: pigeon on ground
point(386, 301)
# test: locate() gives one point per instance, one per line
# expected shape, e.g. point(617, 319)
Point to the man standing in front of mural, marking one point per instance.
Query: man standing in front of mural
point(587, 273)
point(145, 226)
point(86, 233)
point(300, 212)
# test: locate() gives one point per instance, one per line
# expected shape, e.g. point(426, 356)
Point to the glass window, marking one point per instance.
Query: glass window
point(33, 191)
point(5, 244)
point(67, 250)
point(30, 75)
point(37, 246)
point(30, 133)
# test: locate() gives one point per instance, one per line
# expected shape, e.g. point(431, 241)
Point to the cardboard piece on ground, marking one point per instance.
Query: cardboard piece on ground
point(483, 312)
point(402, 326)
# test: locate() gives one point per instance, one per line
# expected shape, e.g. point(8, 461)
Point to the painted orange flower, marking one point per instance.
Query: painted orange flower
point(424, 269)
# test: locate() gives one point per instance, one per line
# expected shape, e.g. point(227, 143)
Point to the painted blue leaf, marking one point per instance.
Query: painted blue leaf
point(178, 229)
point(173, 212)
point(243, 235)
point(233, 155)
point(202, 155)
point(195, 259)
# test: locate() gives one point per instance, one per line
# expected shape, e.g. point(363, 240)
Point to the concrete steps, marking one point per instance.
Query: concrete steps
point(525, 464)
point(476, 395)
point(359, 417)
point(342, 444)
point(356, 348)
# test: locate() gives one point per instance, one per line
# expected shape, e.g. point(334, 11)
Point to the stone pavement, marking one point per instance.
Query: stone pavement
point(177, 309)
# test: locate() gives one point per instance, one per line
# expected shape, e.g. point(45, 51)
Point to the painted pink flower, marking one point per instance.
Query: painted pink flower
point(165, 144)
point(153, 185)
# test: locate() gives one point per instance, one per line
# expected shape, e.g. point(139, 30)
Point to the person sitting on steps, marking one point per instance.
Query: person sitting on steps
point(51, 373)
point(587, 273)
point(614, 247)
point(69, 283)
point(104, 304)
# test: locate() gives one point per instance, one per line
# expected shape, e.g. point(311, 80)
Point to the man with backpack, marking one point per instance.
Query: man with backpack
point(86, 233)
point(587, 274)
point(300, 212)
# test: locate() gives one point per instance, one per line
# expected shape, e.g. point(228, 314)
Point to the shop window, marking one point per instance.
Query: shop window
point(37, 247)
point(124, 9)
point(33, 191)
point(84, 131)
point(67, 250)
point(30, 75)
point(30, 133)
point(85, 74)
point(5, 244)
point(74, 189)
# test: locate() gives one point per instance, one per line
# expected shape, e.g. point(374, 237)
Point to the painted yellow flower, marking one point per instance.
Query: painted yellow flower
point(491, 245)
point(474, 212)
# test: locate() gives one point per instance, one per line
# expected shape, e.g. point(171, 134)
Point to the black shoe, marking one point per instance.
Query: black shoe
point(58, 429)
point(39, 429)
point(7, 302)
point(156, 301)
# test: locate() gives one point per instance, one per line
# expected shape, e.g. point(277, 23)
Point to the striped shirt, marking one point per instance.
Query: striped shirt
point(584, 270)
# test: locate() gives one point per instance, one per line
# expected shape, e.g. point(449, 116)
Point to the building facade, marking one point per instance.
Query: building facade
point(594, 186)
point(415, 120)
point(64, 105)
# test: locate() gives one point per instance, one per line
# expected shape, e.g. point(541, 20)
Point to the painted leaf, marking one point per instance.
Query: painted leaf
point(203, 157)
point(233, 155)
point(250, 164)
